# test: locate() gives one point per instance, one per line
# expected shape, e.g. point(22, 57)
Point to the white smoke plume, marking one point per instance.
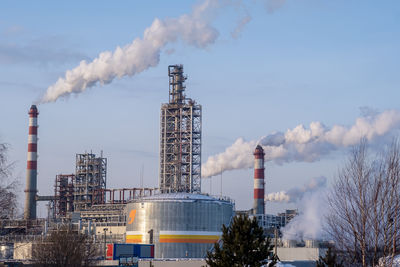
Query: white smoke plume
point(302, 144)
point(295, 194)
point(193, 29)
point(240, 26)
point(309, 223)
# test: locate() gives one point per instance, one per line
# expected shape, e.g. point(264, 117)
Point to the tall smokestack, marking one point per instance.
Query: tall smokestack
point(31, 170)
point(258, 206)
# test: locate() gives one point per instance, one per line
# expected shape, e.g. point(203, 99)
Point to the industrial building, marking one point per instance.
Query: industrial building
point(176, 217)
point(183, 222)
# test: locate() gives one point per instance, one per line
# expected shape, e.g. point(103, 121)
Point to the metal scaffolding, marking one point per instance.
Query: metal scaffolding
point(91, 175)
point(180, 140)
point(121, 195)
point(63, 195)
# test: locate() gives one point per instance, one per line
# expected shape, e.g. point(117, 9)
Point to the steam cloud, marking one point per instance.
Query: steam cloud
point(310, 199)
point(302, 144)
point(295, 194)
point(309, 223)
point(194, 29)
point(141, 54)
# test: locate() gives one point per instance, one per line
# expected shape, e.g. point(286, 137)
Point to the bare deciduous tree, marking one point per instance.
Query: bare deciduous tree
point(64, 247)
point(8, 197)
point(364, 206)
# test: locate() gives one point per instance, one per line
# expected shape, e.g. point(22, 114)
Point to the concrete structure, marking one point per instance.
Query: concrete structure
point(258, 206)
point(300, 253)
point(24, 250)
point(31, 169)
point(184, 225)
point(180, 139)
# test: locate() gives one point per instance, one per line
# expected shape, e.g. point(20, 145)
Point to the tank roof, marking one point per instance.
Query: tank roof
point(182, 197)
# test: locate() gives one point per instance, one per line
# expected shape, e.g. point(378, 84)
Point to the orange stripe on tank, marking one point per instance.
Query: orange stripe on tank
point(134, 239)
point(187, 240)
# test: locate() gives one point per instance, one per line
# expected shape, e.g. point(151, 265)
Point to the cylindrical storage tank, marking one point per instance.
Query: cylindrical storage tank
point(287, 243)
point(312, 243)
point(184, 225)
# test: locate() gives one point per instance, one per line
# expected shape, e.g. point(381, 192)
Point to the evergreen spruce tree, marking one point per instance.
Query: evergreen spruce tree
point(330, 259)
point(243, 244)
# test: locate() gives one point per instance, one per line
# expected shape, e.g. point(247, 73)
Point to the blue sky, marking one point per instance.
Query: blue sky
point(304, 61)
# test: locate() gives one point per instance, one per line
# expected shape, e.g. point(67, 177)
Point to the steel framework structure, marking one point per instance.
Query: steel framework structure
point(91, 175)
point(180, 138)
point(121, 195)
point(63, 194)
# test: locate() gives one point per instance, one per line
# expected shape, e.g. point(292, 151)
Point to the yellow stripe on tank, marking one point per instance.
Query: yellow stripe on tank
point(134, 237)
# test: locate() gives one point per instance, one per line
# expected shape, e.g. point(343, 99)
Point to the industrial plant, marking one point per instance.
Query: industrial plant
point(174, 220)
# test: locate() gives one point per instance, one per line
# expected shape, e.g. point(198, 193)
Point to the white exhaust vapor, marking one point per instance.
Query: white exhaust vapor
point(143, 53)
point(302, 144)
point(308, 225)
point(194, 29)
point(295, 194)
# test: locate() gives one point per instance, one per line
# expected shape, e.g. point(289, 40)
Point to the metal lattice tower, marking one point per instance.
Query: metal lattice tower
point(63, 194)
point(91, 175)
point(180, 140)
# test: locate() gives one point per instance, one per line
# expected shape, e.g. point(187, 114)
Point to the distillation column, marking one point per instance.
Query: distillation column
point(180, 138)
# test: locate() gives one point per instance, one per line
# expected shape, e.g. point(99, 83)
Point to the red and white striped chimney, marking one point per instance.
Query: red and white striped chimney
point(258, 206)
point(31, 170)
